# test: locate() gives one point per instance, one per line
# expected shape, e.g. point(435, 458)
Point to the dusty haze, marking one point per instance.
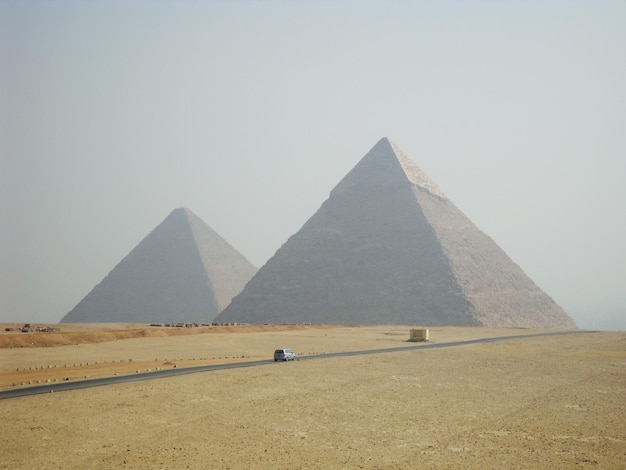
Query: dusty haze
point(249, 113)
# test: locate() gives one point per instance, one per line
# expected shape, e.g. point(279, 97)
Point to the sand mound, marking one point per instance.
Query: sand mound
point(100, 333)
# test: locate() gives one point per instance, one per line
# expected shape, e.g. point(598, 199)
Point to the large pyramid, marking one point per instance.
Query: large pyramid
point(183, 271)
point(388, 247)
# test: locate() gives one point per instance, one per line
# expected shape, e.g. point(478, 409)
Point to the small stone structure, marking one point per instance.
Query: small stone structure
point(418, 334)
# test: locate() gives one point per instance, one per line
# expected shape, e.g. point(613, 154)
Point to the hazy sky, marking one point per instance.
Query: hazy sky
point(112, 114)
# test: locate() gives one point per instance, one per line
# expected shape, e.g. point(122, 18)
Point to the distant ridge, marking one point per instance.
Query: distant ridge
point(182, 271)
point(388, 246)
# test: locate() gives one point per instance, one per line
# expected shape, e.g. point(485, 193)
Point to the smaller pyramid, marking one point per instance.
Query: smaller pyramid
point(182, 271)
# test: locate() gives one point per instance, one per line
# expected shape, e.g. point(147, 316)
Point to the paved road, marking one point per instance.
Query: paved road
point(73, 385)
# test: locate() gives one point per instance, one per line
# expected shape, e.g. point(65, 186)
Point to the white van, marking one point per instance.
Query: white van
point(284, 355)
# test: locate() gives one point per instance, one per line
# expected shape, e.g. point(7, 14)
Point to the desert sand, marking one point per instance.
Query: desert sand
point(542, 402)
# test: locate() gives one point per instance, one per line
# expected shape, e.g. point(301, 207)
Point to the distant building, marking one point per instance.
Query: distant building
point(183, 271)
point(388, 246)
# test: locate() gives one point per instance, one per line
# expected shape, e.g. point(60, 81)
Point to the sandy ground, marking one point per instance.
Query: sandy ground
point(550, 402)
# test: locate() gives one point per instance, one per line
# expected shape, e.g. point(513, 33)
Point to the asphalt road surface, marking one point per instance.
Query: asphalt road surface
point(74, 385)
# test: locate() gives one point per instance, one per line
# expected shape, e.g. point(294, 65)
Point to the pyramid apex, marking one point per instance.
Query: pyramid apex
point(182, 213)
point(385, 164)
point(181, 210)
point(178, 211)
point(414, 173)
